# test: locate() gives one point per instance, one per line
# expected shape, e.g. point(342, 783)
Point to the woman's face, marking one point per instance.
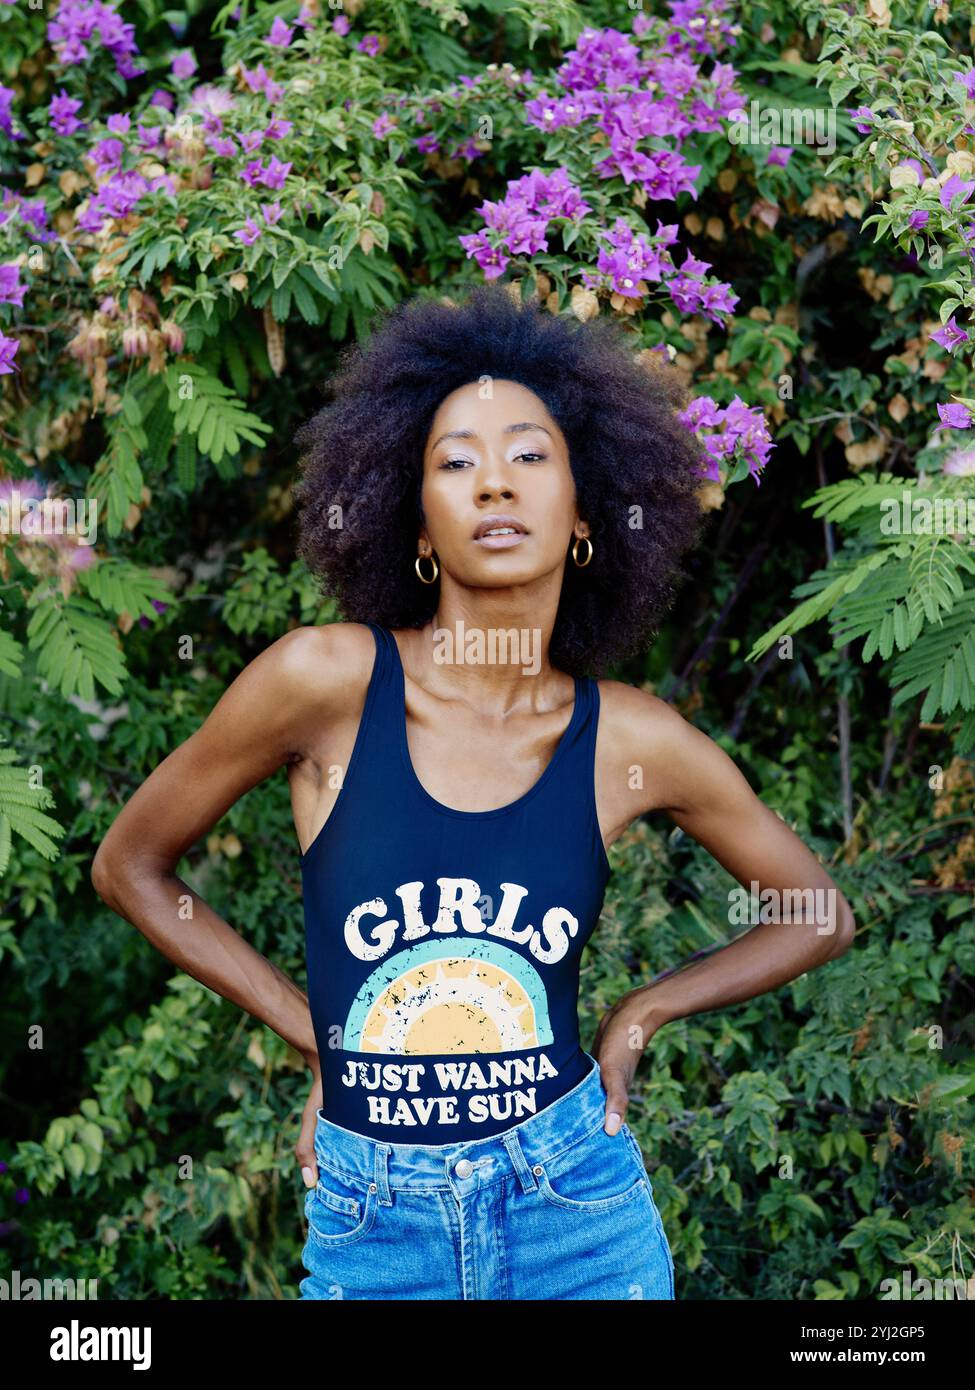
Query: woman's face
point(494, 451)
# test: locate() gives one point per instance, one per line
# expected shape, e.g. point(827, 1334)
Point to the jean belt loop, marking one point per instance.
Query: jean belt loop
point(381, 1173)
point(519, 1162)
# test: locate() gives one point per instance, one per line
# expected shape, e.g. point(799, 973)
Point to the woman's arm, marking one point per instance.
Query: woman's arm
point(687, 775)
point(269, 716)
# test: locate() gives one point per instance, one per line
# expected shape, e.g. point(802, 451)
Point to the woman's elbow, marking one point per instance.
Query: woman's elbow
point(844, 929)
point(103, 877)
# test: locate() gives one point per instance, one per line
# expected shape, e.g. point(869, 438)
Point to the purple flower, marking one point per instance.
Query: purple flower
point(491, 260)
point(603, 57)
point(7, 95)
point(956, 417)
point(257, 79)
point(271, 212)
point(77, 22)
point(631, 260)
point(11, 290)
point(249, 233)
point(275, 173)
point(117, 197)
point(551, 113)
point(968, 78)
point(223, 147)
point(862, 118)
point(32, 211)
point(740, 431)
point(780, 155)
point(702, 413)
point(280, 34)
point(951, 188)
point(161, 97)
point(260, 80)
point(159, 606)
point(184, 65)
point(950, 336)
point(8, 347)
point(107, 154)
point(62, 113)
point(427, 144)
point(251, 140)
point(119, 124)
point(918, 219)
point(466, 150)
point(341, 25)
point(278, 128)
point(253, 173)
point(370, 44)
point(383, 125)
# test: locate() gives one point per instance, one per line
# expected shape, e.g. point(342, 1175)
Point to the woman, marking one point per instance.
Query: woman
point(499, 499)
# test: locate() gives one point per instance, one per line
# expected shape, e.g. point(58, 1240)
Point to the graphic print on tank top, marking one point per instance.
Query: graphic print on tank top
point(442, 945)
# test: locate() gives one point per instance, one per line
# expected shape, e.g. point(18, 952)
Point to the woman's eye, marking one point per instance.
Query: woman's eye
point(528, 457)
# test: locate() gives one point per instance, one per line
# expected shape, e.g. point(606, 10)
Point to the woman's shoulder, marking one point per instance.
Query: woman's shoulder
point(330, 659)
point(638, 722)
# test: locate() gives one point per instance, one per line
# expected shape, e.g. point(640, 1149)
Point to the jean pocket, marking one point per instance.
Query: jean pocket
point(637, 1154)
point(593, 1175)
point(339, 1209)
point(664, 1243)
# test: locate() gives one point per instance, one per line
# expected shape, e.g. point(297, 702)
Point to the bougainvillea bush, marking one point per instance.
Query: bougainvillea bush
point(199, 209)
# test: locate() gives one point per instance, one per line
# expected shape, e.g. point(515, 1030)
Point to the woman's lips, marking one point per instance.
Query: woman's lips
point(501, 542)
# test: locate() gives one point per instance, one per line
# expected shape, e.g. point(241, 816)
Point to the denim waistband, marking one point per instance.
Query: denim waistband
point(476, 1162)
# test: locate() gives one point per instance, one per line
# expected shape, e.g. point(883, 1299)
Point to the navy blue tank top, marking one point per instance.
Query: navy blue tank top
point(443, 945)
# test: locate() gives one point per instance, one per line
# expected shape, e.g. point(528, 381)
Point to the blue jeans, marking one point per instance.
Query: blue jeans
point(552, 1208)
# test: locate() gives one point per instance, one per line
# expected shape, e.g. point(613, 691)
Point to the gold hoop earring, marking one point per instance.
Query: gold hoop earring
point(575, 552)
point(419, 573)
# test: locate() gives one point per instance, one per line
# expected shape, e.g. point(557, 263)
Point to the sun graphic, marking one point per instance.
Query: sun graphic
point(452, 1005)
point(437, 1001)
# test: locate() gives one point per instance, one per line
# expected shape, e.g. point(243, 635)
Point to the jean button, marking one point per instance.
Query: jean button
point(464, 1168)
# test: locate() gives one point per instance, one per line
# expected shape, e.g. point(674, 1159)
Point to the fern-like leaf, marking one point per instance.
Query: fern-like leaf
point(203, 406)
point(122, 587)
point(21, 811)
point(851, 575)
point(11, 655)
point(941, 663)
point(75, 646)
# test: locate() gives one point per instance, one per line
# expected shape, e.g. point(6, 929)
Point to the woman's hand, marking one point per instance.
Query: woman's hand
point(621, 1037)
point(305, 1147)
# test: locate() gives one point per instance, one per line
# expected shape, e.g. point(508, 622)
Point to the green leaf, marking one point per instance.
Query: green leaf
point(216, 418)
point(22, 806)
point(75, 646)
point(122, 587)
